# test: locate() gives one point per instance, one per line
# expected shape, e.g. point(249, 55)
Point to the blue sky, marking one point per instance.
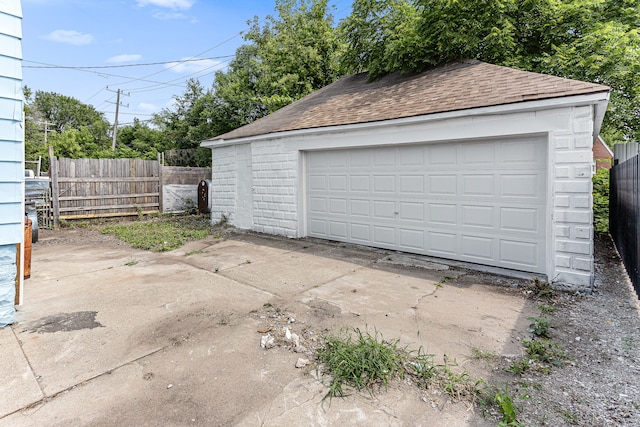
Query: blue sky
point(121, 33)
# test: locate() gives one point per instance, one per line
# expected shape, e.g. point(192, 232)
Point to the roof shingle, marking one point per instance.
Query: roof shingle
point(450, 87)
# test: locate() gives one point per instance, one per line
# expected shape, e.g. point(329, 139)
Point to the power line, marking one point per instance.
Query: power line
point(90, 67)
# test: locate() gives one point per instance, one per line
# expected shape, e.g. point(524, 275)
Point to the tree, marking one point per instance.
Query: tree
point(283, 59)
point(592, 40)
point(73, 128)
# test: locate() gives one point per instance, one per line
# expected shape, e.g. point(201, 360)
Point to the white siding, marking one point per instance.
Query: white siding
point(278, 177)
point(11, 153)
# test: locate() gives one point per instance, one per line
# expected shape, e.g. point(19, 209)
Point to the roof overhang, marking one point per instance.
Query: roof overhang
point(599, 100)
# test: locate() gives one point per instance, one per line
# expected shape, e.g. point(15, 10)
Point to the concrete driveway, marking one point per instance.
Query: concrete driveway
point(111, 335)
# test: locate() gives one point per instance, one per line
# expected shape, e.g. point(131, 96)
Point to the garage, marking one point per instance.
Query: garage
point(466, 161)
point(476, 201)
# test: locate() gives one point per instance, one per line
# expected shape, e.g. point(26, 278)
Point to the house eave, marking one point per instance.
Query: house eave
point(599, 100)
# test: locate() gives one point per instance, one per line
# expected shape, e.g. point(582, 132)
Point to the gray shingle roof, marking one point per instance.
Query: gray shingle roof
point(451, 87)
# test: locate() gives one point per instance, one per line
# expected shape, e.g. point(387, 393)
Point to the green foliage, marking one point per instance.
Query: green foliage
point(540, 326)
point(590, 40)
point(161, 234)
point(360, 360)
point(544, 350)
point(507, 408)
point(601, 200)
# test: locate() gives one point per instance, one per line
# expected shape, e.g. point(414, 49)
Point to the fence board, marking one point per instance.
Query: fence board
point(96, 188)
point(106, 187)
point(624, 215)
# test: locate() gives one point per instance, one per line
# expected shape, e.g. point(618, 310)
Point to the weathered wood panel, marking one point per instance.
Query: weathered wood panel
point(91, 188)
point(180, 187)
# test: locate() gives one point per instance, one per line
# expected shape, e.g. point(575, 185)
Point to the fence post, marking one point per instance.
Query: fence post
point(160, 196)
point(55, 188)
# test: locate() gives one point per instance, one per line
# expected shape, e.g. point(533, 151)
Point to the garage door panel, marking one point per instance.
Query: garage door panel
point(477, 216)
point(443, 244)
point(478, 248)
point(520, 219)
point(318, 205)
point(519, 254)
point(359, 183)
point(318, 182)
point(384, 184)
point(411, 211)
point(521, 153)
point(360, 159)
point(318, 227)
point(384, 209)
point(411, 184)
point(411, 156)
point(478, 185)
point(442, 214)
point(338, 230)
point(385, 236)
point(521, 185)
point(411, 239)
point(478, 154)
point(360, 232)
point(442, 155)
point(443, 185)
point(338, 182)
point(361, 208)
point(482, 202)
point(338, 206)
point(384, 157)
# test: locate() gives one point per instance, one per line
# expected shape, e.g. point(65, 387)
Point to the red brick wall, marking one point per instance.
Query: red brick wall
point(601, 156)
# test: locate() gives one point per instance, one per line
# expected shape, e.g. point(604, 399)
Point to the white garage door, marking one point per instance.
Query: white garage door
point(482, 202)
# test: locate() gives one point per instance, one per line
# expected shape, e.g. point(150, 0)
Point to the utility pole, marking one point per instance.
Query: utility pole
point(115, 121)
point(46, 131)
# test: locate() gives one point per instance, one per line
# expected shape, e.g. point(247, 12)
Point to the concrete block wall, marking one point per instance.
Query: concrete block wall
point(572, 214)
point(275, 189)
point(223, 176)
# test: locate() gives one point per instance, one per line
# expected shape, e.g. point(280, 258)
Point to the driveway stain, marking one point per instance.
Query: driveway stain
point(66, 322)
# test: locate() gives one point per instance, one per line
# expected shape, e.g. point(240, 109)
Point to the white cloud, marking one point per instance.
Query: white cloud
point(167, 16)
point(119, 59)
point(147, 107)
point(69, 37)
point(192, 67)
point(169, 4)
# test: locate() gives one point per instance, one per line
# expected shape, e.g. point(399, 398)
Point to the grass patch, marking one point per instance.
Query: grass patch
point(545, 351)
point(161, 234)
point(360, 360)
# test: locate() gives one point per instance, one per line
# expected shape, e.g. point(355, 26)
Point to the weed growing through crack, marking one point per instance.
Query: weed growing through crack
point(546, 309)
point(544, 350)
point(519, 367)
point(195, 252)
point(361, 360)
point(541, 289)
point(480, 354)
point(628, 344)
point(540, 326)
point(507, 408)
point(131, 263)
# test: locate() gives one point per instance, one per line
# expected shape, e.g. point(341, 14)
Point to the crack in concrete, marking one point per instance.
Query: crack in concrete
point(47, 398)
point(33, 372)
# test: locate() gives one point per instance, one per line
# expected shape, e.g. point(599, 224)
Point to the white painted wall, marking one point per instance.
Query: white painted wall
point(567, 124)
point(11, 153)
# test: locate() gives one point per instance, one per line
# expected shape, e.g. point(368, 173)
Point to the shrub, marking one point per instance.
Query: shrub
point(601, 200)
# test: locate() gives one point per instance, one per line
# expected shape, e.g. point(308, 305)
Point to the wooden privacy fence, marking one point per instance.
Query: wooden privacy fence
point(99, 188)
